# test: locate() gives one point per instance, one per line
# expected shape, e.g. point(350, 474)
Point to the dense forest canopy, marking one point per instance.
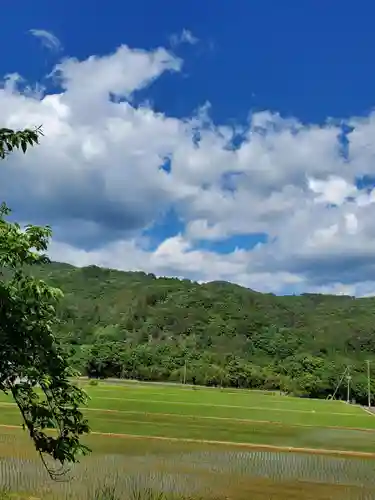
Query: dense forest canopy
point(134, 325)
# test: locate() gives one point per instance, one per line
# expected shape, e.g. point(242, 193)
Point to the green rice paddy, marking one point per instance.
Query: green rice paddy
point(208, 443)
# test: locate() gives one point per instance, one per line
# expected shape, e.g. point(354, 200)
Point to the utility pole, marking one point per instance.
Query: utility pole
point(348, 378)
point(185, 372)
point(340, 382)
point(368, 383)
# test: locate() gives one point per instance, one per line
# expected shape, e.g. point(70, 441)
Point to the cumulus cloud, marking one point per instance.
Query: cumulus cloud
point(48, 39)
point(98, 179)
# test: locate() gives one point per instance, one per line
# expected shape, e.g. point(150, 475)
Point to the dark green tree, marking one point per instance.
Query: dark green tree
point(33, 368)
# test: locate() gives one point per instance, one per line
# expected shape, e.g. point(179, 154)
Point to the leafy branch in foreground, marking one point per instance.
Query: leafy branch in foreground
point(11, 140)
point(33, 368)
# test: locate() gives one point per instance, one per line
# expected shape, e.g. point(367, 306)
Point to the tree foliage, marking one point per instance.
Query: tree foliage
point(11, 140)
point(133, 325)
point(33, 367)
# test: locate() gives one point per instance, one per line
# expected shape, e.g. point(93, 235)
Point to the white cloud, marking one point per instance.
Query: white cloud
point(351, 223)
point(96, 178)
point(119, 74)
point(186, 36)
point(48, 39)
point(333, 190)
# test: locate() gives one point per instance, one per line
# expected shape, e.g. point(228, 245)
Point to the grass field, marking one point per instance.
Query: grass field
point(209, 442)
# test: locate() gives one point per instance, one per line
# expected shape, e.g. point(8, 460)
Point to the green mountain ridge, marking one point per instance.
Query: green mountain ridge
point(132, 324)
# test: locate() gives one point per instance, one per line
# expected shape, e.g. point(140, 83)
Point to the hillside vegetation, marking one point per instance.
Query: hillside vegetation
point(134, 325)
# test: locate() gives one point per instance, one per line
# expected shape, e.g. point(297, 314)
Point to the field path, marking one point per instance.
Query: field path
point(250, 446)
point(369, 411)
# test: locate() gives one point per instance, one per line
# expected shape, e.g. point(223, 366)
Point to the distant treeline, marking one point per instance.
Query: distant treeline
point(303, 376)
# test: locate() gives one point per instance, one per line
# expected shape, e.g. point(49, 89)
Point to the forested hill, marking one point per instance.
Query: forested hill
point(132, 324)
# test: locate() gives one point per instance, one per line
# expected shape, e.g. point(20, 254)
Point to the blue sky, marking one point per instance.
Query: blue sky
point(307, 59)
point(277, 192)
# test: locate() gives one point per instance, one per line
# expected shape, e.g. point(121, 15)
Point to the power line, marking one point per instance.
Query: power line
point(340, 382)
